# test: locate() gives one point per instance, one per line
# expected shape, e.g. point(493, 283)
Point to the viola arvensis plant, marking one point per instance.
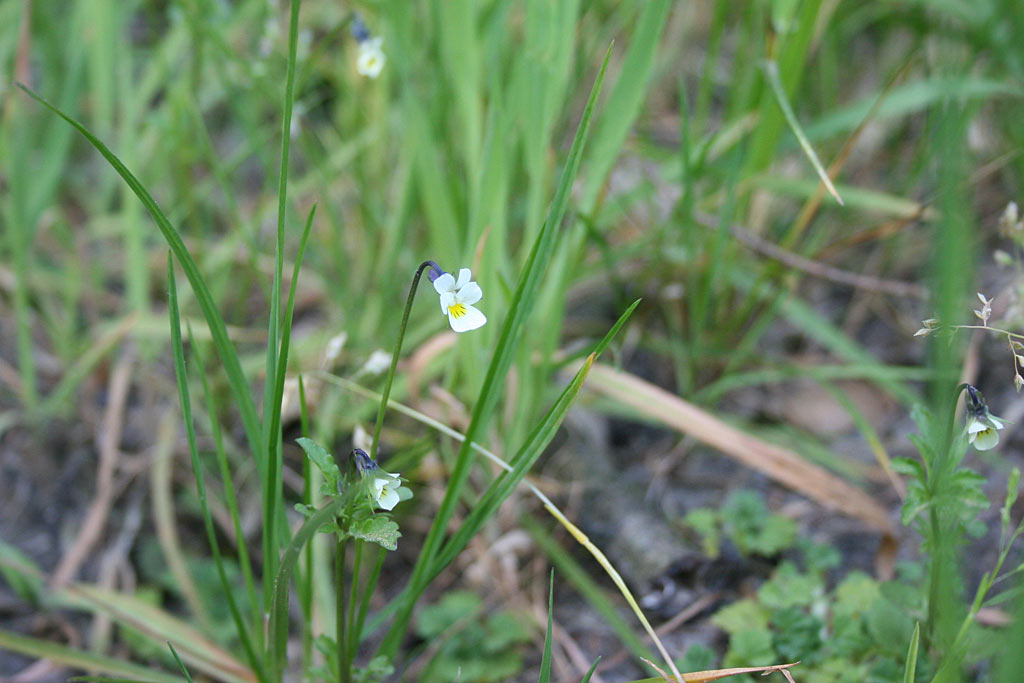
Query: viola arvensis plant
point(370, 59)
point(982, 427)
point(457, 299)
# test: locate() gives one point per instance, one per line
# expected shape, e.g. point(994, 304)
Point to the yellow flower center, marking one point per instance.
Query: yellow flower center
point(457, 310)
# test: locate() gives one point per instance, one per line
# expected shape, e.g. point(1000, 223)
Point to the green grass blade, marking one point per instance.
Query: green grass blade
point(197, 469)
point(545, 660)
point(181, 664)
point(274, 383)
point(218, 330)
point(910, 667)
point(771, 71)
point(519, 310)
point(590, 671)
point(69, 656)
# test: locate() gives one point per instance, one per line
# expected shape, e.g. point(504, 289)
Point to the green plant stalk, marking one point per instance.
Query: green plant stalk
point(306, 585)
point(951, 273)
point(340, 639)
point(364, 603)
point(277, 360)
point(197, 469)
point(278, 627)
point(986, 583)
point(351, 644)
point(394, 356)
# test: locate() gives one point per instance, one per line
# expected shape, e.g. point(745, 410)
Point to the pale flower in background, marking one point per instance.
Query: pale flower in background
point(370, 60)
point(378, 362)
point(457, 299)
point(361, 438)
point(334, 347)
point(985, 312)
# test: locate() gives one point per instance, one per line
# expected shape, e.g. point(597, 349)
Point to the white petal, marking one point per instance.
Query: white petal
point(975, 426)
point(464, 277)
point(444, 283)
point(447, 299)
point(389, 499)
point(470, 320)
point(985, 440)
point(469, 294)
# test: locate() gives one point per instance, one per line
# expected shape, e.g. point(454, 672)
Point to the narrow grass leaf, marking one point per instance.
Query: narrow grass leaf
point(197, 469)
point(225, 348)
point(181, 664)
point(590, 671)
point(158, 626)
point(771, 70)
point(69, 656)
point(545, 659)
point(274, 372)
point(910, 666)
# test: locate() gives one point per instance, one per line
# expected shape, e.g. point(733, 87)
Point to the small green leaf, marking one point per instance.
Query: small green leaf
point(750, 647)
point(433, 620)
point(705, 522)
point(377, 529)
point(1012, 491)
point(789, 587)
point(741, 615)
point(324, 462)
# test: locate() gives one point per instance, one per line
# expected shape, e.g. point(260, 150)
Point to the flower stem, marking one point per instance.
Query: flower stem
point(398, 349)
point(344, 665)
point(937, 479)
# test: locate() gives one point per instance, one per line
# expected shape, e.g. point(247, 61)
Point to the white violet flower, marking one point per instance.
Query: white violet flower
point(457, 299)
point(371, 59)
point(982, 427)
point(385, 489)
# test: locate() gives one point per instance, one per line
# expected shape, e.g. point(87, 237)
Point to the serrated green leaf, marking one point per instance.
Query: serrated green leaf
point(377, 529)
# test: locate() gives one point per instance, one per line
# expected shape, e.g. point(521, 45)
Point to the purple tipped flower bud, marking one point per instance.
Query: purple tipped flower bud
point(364, 463)
point(359, 30)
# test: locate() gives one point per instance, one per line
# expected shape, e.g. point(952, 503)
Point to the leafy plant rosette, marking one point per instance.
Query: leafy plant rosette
point(855, 632)
point(365, 515)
